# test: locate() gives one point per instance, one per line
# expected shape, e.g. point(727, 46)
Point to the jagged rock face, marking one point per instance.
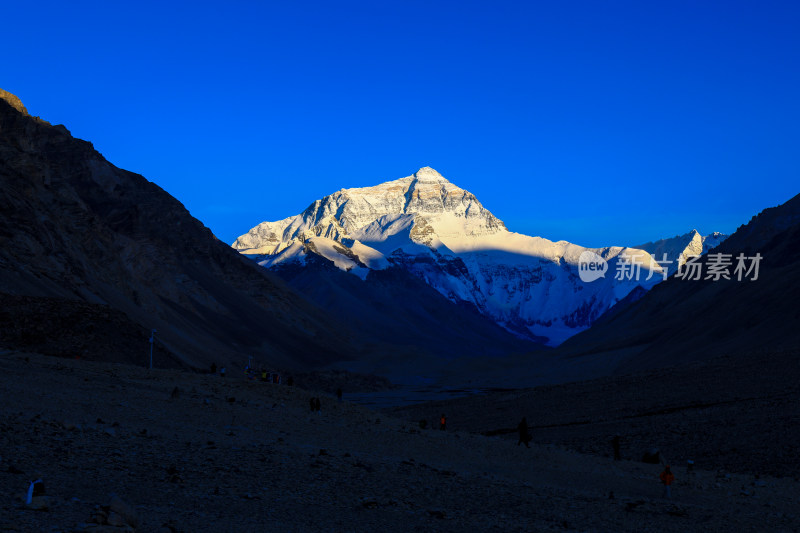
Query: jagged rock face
point(74, 228)
point(712, 240)
point(444, 236)
point(679, 249)
point(426, 194)
point(13, 101)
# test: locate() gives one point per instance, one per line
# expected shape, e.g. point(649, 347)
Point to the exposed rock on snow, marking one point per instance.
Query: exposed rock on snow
point(679, 248)
point(442, 234)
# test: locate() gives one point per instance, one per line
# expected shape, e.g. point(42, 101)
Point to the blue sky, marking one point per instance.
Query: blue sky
point(601, 123)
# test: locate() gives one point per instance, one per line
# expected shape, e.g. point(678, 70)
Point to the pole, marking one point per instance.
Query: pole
point(152, 341)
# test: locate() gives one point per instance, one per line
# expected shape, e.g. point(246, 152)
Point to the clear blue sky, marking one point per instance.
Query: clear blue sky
point(596, 122)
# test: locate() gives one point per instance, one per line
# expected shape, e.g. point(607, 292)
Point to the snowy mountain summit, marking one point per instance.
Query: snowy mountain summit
point(681, 247)
point(442, 234)
point(426, 197)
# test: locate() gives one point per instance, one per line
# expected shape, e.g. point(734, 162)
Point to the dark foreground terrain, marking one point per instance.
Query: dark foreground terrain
point(229, 455)
point(737, 414)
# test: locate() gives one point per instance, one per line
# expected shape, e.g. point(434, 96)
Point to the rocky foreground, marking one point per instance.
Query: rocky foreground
point(121, 448)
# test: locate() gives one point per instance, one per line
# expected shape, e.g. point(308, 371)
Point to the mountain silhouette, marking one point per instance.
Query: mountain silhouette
point(92, 258)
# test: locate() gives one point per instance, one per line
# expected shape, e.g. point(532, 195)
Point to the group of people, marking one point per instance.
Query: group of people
point(266, 377)
point(315, 404)
point(251, 374)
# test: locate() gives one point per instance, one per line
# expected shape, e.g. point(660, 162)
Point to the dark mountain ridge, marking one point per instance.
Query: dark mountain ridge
point(682, 320)
point(409, 326)
point(93, 257)
point(74, 228)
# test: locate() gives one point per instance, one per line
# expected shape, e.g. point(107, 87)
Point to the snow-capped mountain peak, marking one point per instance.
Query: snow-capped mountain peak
point(677, 250)
point(437, 206)
point(442, 234)
point(428, 174)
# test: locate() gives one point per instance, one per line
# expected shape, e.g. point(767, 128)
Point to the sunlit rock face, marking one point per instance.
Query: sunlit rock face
point(679, 249)
point(434, 202)
point(442, 234)
point(13, 101)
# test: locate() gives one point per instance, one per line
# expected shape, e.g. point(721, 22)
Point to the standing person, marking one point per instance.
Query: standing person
point(317, 405)
point(524, 436)
point(443, 423)
point(222, 371)
point(615, 445)
point(213, 368)
point(667, 478)
point(313, 404)
point(339, 395)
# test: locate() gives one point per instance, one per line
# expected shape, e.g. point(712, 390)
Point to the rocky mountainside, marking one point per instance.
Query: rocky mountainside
point(13, 101)
point(93, 257)
point(686, 319)
point(411, 332)
point(681, 247)
point(444, 236)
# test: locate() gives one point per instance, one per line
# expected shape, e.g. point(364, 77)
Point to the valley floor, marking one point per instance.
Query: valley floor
point(223, 454)
point(737, 413)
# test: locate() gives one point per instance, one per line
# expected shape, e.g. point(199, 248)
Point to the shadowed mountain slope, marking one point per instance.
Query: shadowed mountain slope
point(409, 327)
point(684, 320)
point(74, 229)
point(94, 257)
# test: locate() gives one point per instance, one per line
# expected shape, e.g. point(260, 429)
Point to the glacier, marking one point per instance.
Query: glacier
point(443, 235)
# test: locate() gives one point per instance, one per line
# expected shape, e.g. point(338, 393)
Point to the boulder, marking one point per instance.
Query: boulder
point(652, 456)
point(117, 516)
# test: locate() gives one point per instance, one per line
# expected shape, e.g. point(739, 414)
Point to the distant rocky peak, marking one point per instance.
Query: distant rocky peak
point(681, 247)
point(14, 102)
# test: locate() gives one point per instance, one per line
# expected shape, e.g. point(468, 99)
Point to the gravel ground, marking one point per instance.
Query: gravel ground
point(734, 414)
point(190, 452)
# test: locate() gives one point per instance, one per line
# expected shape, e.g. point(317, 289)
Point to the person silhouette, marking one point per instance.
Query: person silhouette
point(524, 436)
point(667, 477)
